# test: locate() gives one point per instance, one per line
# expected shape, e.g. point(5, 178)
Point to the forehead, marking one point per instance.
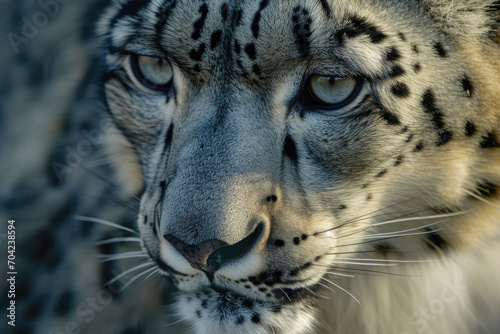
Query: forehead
point(255, 37)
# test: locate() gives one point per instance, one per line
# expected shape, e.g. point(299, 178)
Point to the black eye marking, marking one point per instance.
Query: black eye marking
point(256, 20)
point(429, 104)
point(250, 51)
point(393, 54)
point(400, 90)
point(215, 39)
point(358, 26)
point(302, 29)
point(197, 54)
point(441, 52)
point(389, 117)
point(198, 25)
point(290, 149)
point(470, 129)
point(467, 86)
point(489, 141)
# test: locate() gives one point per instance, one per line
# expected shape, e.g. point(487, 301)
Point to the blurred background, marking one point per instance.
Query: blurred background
point(53, 166)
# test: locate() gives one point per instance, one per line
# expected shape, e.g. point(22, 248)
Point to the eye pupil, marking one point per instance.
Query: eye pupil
point(151, 72)
point(330, 92)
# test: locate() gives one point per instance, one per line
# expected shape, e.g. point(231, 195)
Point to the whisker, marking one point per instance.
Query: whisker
point(341, 288)
point(113, 240)
point(367, 264)
point(150, 275)
point(370, 236)
point(395, 261)
point(482, 199)
point(446, 215)
point(136, 277)
point(338, 274)
point(327, 287)
point(116, 278)
point(285, 294)
point(104, 222)
point(388, 238)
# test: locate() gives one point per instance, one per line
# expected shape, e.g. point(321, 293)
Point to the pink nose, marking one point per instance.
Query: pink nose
point(196, 255)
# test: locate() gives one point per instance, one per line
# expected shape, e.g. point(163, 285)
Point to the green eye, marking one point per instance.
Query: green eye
point(153, 73)
point(332, 92)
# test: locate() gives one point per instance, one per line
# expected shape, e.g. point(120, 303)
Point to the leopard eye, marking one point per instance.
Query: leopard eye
point(332, 92)
point(153, 73)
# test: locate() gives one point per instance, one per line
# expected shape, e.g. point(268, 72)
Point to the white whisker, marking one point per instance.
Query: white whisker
point(367, 264)
point(136, 277)
point(113, 240)
point(338, 274)
point(104, 222)
point(341, 288)
point(446, 215)
point(482, 199)
point(285, 294)
point(111, 281)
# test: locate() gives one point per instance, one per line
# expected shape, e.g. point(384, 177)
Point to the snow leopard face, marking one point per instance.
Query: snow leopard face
point(279, 138)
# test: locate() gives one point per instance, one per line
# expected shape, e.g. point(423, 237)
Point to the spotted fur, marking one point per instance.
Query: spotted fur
point(234, 153)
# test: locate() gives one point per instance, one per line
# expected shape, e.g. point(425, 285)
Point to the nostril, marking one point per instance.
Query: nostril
point(233, 252)
point(196, 255)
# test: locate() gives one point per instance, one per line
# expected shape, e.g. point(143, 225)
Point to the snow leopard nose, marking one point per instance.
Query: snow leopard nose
point(210, 255)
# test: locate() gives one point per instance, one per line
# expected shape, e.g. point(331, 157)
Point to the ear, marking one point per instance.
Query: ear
point(466, 18)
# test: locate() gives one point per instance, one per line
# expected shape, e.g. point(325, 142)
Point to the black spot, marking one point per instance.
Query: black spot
point(393, 54)
point(256, 69)
point(302, 30)
point(240, 320)
point(389, 117)
point(444, 137)
point(398, 160)
point(204, 304)
point(215, 39)
point(436, 241)
point(290, 150)
point(250, 51)
point(382, 173)
point(357, 26)
point(467, 86)
point(34, 310)
point(256, 20)
point(441, 52)
point(368, 197)
point(198, 25)
point(247, 303)
point(489, 141)
point(197, 54)
point(197, 68)
point(415, 48)
point(419, 147)
point(296, 240)
point(402, 36)
point(198, 313)
point(279, 243)
point(64, 303)
point(486, 189)
point(326, 8)
point(237, 47)
point(400, 89)
point(223, 11)
point(396, 71)
point(255, 318)
point(238, 16)
point(304, 236)
point(342, 206)
point(470, 129)
point(248, 287)
point(263, 289)
point(404, 129)
point(429, 104)
point(410, 137)
point(417, 68)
